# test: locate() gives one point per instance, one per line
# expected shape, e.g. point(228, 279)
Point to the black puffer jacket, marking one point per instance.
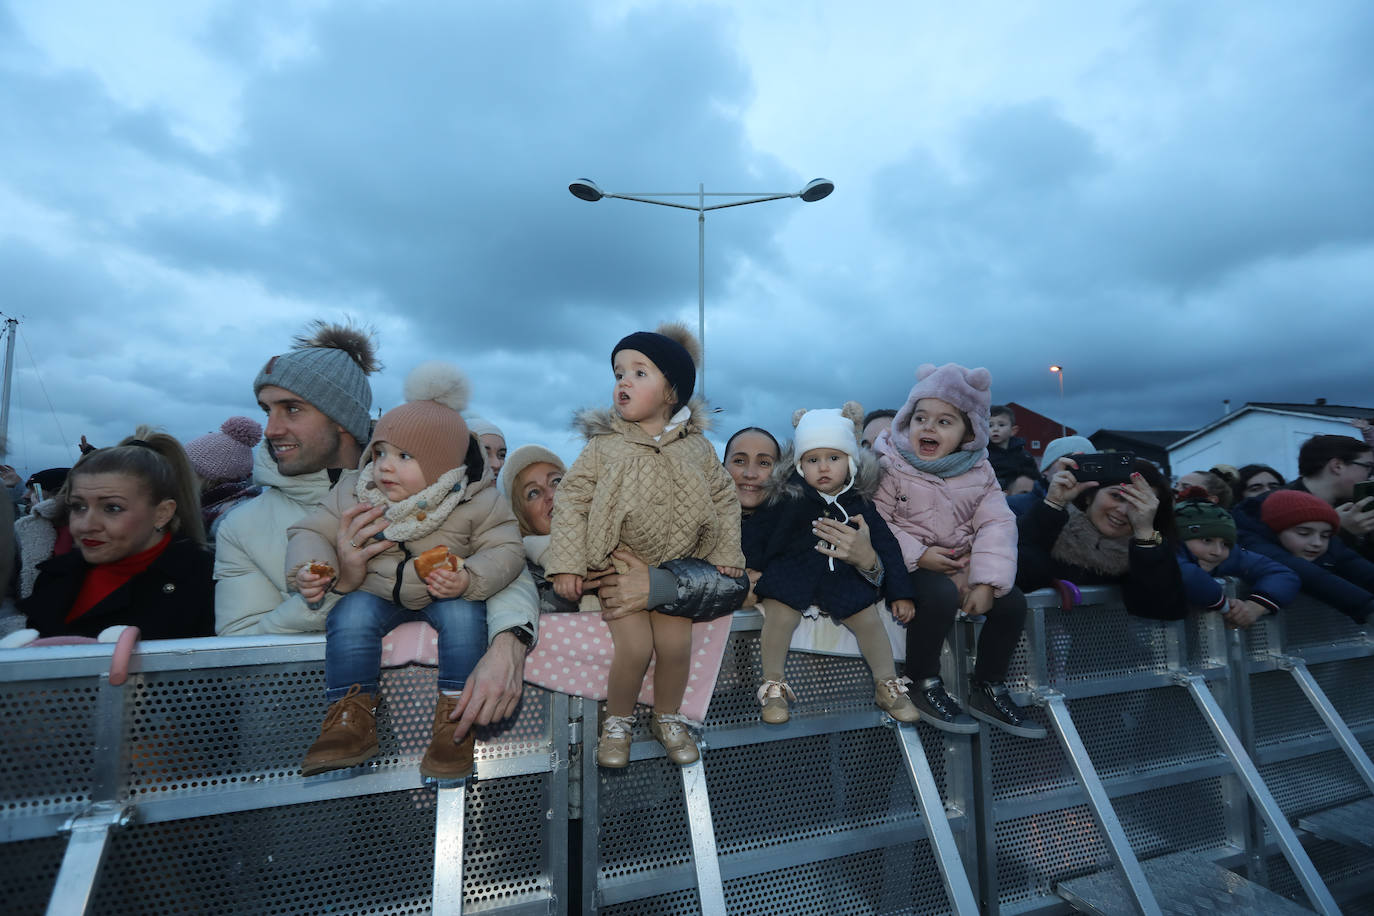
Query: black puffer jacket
point(780, 545)
point(174, 598)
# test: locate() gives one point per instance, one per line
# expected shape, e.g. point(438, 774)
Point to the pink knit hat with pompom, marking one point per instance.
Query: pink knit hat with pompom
point(227, 454)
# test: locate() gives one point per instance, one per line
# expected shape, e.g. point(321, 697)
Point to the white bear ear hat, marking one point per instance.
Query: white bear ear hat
point(967, 389)
point(829, 428)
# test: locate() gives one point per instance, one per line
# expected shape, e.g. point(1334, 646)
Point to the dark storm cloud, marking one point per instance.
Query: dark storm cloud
point(1148, 268)
point(422, 155)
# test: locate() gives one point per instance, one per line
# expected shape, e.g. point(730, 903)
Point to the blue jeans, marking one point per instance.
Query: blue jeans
point(356, 625)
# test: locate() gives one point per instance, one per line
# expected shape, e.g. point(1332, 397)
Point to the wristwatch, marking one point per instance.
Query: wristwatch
point(1154, 540)
point(522, 634)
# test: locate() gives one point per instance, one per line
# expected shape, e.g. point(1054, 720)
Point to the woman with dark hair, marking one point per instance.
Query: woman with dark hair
point(750, 455)
point(140, 557)
point(1255, 480)
point(1121, 534)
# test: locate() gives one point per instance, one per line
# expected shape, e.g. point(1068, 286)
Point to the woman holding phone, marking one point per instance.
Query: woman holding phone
point(1103, 532)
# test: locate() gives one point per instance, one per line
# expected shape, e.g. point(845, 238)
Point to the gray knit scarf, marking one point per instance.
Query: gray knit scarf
point(952, 465)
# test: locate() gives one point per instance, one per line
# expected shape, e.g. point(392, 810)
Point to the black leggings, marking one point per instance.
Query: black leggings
point(937, 603)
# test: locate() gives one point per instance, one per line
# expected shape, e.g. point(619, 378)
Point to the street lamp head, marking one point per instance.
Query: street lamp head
point(816, 189)
point(586, 189)
point(1056, 368)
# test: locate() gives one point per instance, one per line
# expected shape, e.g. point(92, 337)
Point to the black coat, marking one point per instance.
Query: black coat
point(173, 598)
point(1012, 462)
point(1152, 586)
point(779, 544)
point(1340, 577)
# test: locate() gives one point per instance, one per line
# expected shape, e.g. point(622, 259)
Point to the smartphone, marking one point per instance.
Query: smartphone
point(1107, 468)
point(1363, 490)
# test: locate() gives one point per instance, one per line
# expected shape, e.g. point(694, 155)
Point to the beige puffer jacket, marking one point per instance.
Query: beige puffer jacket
point(481, 530)
point(664, 500)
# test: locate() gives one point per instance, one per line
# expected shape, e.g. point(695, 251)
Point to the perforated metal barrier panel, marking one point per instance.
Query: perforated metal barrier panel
point(200, 750)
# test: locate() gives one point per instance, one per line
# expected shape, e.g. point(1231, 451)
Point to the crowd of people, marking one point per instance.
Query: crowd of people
point(340, 525)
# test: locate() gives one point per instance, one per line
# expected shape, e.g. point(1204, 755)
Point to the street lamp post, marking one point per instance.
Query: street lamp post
point(816, 189)
point(1059, 371)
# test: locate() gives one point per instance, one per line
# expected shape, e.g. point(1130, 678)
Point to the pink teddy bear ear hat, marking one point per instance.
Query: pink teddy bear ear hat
point(967, 389)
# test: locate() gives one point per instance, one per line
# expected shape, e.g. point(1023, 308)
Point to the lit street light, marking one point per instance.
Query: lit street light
point(816, 189)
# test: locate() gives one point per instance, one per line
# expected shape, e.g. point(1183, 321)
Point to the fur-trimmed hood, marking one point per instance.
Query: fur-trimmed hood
point(786, 481)
point(591, 422)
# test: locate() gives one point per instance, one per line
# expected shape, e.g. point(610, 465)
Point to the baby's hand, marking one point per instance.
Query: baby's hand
point(903, 609)
point(311, 586)
point(444, 583)
point(568, 586)
point(734, 572)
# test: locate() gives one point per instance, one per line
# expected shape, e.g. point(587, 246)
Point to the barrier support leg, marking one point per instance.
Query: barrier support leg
point(1142, 898)
point(90, 835)
point(448, 847)
point(1317, 894)
point(1239, 710)
point(710, 887)
point(942, 843)
point(1344, 736)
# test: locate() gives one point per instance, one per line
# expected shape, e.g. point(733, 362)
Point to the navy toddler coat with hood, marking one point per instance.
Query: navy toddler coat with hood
point(779, 544)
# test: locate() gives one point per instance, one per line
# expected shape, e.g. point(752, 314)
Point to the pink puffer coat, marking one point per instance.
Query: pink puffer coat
point(967, 513)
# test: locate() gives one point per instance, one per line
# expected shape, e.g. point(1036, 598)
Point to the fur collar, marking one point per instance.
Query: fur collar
point(604, 421)
point(786, 482)
point(1080, 544)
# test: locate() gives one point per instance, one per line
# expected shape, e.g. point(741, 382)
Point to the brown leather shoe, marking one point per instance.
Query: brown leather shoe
point(444, 759)
point(348, 736)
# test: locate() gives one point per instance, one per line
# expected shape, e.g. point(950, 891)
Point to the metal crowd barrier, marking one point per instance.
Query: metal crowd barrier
point(1181, 756)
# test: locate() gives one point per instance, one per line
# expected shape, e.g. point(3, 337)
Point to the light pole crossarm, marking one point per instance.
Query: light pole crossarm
point(650, 200)
point(755, 200)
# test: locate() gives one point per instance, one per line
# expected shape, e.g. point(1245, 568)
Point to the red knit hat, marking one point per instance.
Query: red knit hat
point(1283, 509)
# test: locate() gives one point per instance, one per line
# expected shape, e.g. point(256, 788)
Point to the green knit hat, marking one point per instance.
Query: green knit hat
point(1199, 518)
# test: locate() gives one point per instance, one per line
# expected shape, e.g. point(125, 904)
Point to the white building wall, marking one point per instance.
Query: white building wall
point(1256, 437)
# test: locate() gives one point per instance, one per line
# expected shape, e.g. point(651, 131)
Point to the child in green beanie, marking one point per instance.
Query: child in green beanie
point(1207, 552)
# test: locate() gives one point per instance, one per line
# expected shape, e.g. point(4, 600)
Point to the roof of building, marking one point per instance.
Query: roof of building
point(1158, 438)
point(1323, 411)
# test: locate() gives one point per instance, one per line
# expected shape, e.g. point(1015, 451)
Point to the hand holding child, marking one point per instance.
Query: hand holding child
point(903, 609)
point(568, 586)
point(977, 601)
point(942, 560)
point(355, 544)
point(734, 572)
point(443, 583)
point(844, 542)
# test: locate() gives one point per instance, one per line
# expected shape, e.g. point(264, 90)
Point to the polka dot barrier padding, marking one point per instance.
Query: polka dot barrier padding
point(574, 652)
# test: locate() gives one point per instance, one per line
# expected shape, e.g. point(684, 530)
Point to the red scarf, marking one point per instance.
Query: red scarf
point(101, 581)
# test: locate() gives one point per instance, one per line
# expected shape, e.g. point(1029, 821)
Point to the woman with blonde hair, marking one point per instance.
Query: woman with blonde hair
point(140, 558)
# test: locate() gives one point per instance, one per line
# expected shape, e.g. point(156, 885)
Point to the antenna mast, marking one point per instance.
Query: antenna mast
point(11, 325)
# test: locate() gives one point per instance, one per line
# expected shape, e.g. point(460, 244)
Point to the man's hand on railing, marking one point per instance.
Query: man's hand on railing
point(493, 689)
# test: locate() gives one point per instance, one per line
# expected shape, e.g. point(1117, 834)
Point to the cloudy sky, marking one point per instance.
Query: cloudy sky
point(1174, 200)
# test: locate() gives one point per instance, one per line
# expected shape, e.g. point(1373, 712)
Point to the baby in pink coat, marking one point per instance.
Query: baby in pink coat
point(940, 497)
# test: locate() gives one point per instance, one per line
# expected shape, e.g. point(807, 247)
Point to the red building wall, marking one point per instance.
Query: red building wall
point(1037, 429)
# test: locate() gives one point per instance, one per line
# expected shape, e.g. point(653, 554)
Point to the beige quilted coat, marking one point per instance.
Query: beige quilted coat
point(664, 500)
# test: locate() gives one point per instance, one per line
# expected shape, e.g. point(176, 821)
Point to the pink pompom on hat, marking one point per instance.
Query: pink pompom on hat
point(227, 454)
point(967, 389)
